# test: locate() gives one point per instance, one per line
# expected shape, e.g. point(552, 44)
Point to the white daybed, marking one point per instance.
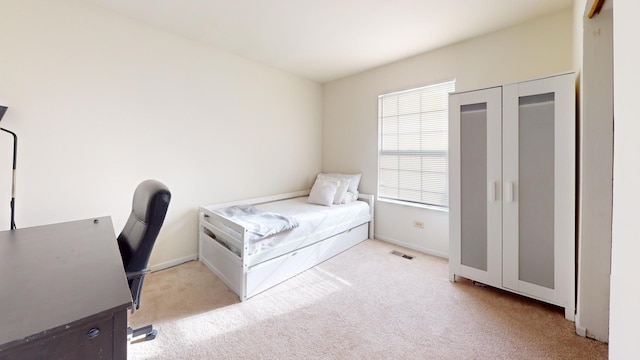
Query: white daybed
point(249, 267)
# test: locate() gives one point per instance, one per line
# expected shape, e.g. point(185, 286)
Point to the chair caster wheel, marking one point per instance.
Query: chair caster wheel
point(152, 335)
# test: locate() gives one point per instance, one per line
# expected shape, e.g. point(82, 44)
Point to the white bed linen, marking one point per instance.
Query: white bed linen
point(257, 223)
point(315, 222)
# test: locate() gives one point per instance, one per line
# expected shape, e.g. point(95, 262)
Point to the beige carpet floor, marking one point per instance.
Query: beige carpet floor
point(363, 304)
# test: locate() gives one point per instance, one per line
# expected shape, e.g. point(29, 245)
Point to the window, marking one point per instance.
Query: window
point(413, 144)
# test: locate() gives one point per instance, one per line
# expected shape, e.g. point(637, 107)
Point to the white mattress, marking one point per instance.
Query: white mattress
point(316, 221)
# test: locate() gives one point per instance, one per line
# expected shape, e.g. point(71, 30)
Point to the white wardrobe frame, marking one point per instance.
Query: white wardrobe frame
point(563, 87)
point(493, 275)
point(502, 210)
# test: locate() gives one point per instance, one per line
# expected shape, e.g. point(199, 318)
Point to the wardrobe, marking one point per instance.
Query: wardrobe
point(512, 165)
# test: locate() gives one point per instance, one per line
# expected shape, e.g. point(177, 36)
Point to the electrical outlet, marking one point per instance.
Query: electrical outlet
point(418, 224)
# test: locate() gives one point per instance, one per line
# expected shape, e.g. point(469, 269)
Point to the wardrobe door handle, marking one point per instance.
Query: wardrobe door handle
point(509, 190)
point(493, 192)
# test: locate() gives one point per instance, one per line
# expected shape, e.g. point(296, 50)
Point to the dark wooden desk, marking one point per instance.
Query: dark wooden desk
point(63, 292)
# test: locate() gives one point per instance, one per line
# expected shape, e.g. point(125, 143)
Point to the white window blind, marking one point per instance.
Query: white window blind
point(413, 159)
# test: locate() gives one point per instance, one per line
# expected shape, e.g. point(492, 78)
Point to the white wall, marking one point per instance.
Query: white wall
point(100, 103)
point(625, 267)
point(596, 171)
point(536, 48)
point(578, 14)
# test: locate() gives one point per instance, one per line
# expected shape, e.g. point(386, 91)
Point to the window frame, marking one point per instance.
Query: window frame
point(442, 155)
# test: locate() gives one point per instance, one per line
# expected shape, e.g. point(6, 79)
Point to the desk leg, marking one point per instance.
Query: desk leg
point(120, 334)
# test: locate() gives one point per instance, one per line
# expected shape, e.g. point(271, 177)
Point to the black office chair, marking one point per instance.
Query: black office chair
point(150, 203)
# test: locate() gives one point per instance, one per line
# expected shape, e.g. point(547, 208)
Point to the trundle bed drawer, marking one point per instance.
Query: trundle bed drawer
point(262, 276)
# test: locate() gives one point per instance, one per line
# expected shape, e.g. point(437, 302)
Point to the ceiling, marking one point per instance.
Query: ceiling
point(324, 40)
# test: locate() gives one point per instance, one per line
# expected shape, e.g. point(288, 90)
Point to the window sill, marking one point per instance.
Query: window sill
point(415, 205)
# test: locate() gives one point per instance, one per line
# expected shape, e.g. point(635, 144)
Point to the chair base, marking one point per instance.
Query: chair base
point(148, 331)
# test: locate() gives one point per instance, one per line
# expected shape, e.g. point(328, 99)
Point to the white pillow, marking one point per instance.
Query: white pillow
point(350, 197)
point(323, 191)
point(354, 180)
point(341, 192)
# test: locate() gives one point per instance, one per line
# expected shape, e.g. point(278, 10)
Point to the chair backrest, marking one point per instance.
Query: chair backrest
point(3, 109)
point(150, 203)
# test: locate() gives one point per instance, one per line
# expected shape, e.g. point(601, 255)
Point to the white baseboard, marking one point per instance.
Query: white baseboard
point(172, 263)
point(584, 332)
point(580, 330)
point(413, 247)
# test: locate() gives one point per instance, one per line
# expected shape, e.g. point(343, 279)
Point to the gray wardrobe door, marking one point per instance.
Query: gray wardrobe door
point(473, 185)
point(475, 212)
point(539, 181)
point(536, 192)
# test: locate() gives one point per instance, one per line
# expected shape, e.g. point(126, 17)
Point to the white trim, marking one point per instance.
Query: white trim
point(413, 247)
point(412, 204)
point(580, 330)
point(174, 262)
